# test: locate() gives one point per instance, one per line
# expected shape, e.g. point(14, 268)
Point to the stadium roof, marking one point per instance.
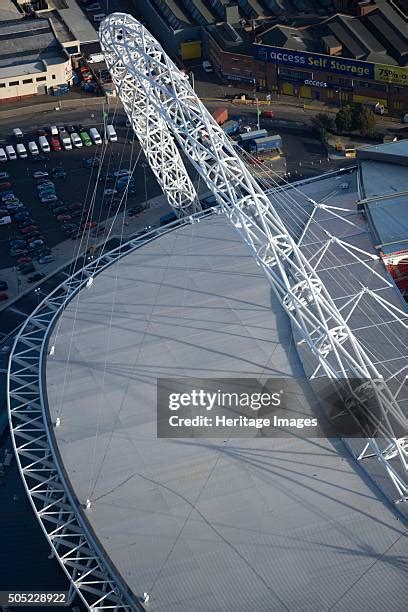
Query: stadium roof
point(210, 524)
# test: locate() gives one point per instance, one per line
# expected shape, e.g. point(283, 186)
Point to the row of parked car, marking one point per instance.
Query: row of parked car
point(28, 244)
point(56, 139)
point(70, 216)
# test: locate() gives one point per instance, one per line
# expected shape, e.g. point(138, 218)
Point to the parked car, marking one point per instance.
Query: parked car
point(44, 144)
point(64, 218)
point(76, 214)
point(95, 136)
point(3, 285)
point(59, 210)
point(3, 156)
point(3, 297)
point(55, 144)
point(85, 138)
point(76, 141)
point(90, 225)
point(54, 130)
point(32, 147)
point(75, 206)
point(11, 153)
point(28, 229)
point(48, 198)
point(35, 277)
point(34, 234)
point(91, 162)
point(27, 269)
point(21, 151)
point(121, 172)
point(41, 132)
point(4, 175)
point(40, 174)
point(18, 134)
point(4, 186)
point(24, 260)
point(36, 243)
point(14, 252)
point(111, 133)
point(108, 192)
point(46, 259)
point(70, 129)
point(65, 140)
point(22, 215)
point(42, 252)
point(59, 174)
point(12, 208)
point(27, 222)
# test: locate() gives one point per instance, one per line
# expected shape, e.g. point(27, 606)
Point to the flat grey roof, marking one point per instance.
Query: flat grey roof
point(76, 21)
point(383, 181)
point(209, 525)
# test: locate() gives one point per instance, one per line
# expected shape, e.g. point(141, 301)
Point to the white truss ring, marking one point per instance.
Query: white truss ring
point(55, 505)
point(134, 55)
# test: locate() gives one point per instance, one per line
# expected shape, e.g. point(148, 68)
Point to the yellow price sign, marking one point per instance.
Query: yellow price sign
point(391, 74)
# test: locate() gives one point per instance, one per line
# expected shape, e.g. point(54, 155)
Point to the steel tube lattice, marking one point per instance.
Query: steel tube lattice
point(141, 70)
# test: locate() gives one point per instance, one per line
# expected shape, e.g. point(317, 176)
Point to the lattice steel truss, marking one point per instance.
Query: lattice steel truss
point(144, 74)
point(60, 514)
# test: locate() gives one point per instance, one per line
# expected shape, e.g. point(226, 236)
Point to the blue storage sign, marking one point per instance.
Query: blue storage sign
point(314, 61)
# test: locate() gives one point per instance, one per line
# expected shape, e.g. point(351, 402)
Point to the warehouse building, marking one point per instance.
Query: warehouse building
point(31, 59)
point(345, 59)
point(181, 25)
point(382, 171)
point(36, 47)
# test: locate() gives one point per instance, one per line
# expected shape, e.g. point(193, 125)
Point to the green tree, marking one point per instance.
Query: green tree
point(365, 121)
point(345, 119)
point(322, 124)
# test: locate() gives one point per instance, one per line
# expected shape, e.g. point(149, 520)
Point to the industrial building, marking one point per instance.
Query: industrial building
point(181, 25)
point(382, 185)
point(36, 48)
point(344, 59)
point(31, 59)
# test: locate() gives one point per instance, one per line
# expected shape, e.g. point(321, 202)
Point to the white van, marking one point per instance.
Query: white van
point(98, 17)
point(11, 154)
point(44, 144)
point(3, 156)
point(21, 150)
point(18, 134)
point(76, 141)
point(65, 140)
point(96, 137)
point(32, 147)
point(111, 134)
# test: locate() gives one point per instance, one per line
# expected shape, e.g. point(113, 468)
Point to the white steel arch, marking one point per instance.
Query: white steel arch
point(157, 143)
point(135, 57)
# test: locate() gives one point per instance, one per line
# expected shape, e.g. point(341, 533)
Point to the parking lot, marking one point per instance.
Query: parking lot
point(73, 185)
